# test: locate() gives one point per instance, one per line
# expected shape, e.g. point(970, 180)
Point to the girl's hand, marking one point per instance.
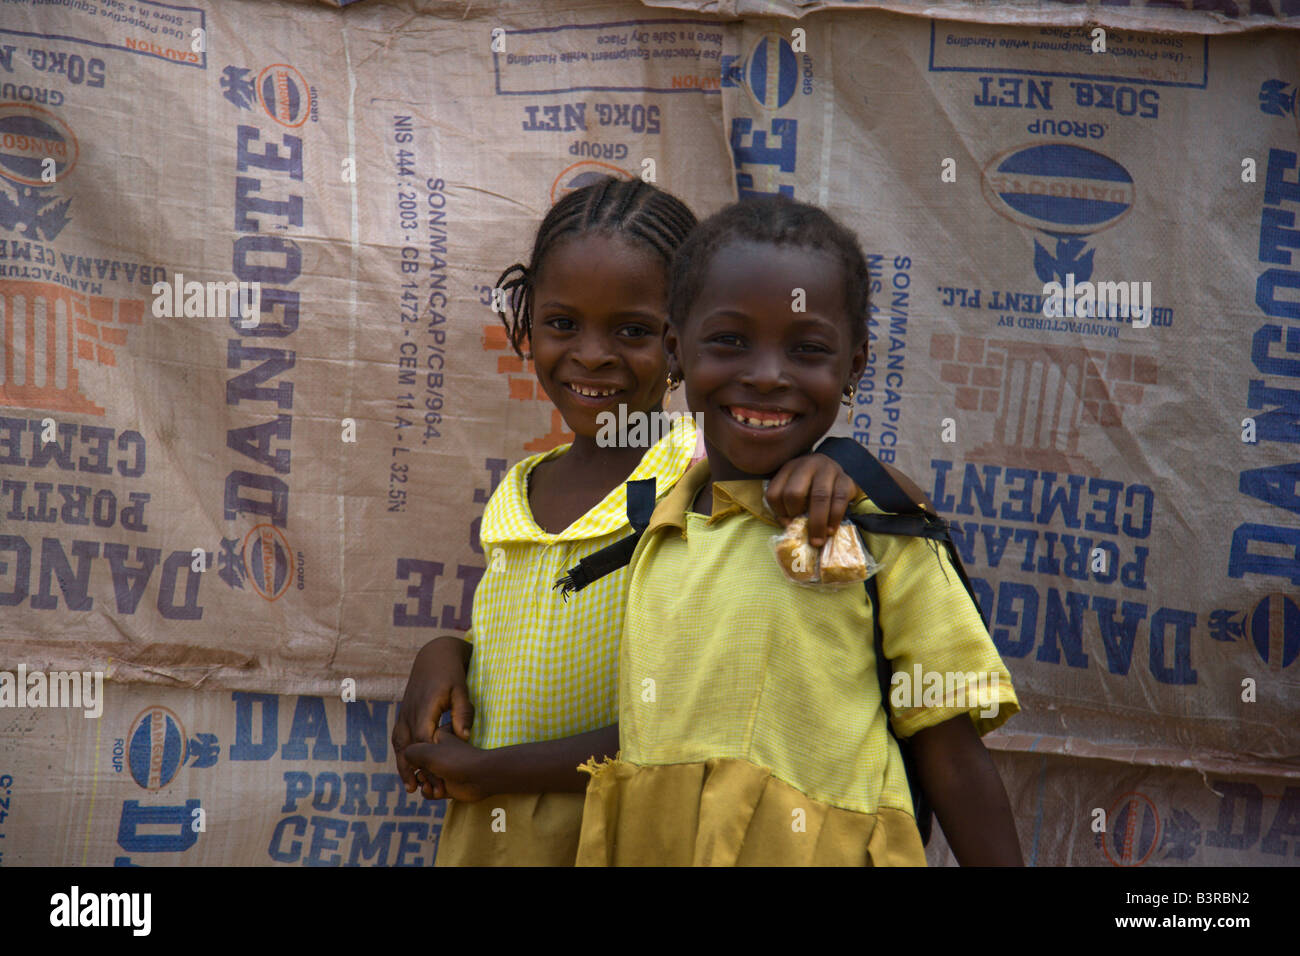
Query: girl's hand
point(436, 685)
point(816, 486)
point(462, 768)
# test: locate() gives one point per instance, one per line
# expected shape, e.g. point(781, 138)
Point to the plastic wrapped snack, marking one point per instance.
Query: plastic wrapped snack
point(842, 560)
point(796, 556)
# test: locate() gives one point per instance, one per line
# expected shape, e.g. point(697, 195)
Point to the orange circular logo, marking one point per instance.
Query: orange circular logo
point(284, 94)
point(268, 559)
point(30, 137)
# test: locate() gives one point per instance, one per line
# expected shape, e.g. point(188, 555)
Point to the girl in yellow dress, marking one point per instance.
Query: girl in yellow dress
point(752, 729)
point(536, 697)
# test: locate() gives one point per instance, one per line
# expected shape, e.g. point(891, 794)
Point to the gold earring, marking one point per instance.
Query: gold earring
point(673, 383)
point(847, 400)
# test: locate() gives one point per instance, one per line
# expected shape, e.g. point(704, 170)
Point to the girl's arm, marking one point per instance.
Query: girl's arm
point(550, 766)
point(966, 792)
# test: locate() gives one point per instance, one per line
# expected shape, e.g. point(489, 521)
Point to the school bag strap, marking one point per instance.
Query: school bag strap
point(884, 674)
point(909, 519)
point(912, 519)
point(640, 506)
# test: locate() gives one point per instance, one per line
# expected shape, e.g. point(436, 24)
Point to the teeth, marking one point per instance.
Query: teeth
point(593, 392)
point(761, 423)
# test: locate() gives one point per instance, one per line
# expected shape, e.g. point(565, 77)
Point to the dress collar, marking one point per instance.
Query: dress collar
point(509, 518)
point(729, 498)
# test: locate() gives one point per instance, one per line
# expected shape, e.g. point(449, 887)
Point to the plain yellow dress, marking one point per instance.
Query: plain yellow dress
point(750, 720)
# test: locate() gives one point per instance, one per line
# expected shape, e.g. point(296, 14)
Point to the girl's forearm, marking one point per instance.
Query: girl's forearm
point(967, 794)
point(550, 766)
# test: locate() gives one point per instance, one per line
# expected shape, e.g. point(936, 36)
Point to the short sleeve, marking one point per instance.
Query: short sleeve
point(944, 661)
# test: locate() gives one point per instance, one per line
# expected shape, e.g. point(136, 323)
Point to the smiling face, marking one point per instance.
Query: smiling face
point(599, 310)
point(768, 379)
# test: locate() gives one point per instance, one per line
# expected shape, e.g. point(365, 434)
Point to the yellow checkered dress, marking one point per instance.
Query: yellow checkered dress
point(543, 668)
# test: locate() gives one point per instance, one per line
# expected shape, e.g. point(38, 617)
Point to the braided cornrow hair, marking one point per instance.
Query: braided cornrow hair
point(629, 207)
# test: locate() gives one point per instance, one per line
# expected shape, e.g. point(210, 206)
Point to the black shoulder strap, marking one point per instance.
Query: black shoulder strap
point(909, 518)
point(884, 673)
point(640, 506)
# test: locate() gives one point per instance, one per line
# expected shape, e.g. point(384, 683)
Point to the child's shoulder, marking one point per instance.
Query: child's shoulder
point(908, 486)
point(518, 476)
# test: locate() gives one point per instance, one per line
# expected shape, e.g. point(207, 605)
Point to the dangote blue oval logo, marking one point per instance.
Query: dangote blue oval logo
point(285, 95)
point(28, 136)
point(268, 560)
point(155, 748)
point(1058, 188)
point(1275, 630)
point(772, 72)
